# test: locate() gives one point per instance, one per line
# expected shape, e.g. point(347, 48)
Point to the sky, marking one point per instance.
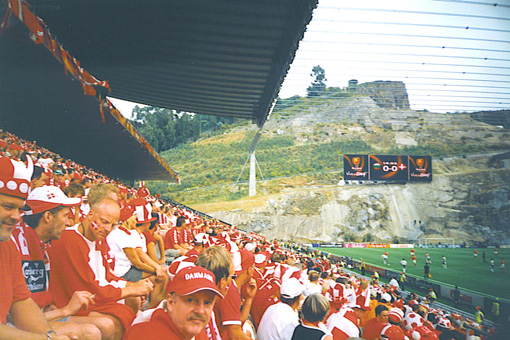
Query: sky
point(453, 55)
point(437, 48)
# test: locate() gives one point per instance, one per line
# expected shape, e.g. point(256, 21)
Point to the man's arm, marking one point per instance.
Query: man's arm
point(235, 332)
point(30, 323)
point(251, 290)
point(142, 287)
point(134, 257)
point(79, 299)
point(156, 267)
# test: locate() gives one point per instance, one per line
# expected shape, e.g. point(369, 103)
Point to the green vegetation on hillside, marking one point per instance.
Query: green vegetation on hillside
point(210, 167)
point(204, 164)
point(212, 153)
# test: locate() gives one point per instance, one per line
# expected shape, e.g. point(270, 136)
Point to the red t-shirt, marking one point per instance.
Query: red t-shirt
point(172, 237)
point(148, 237)
point(160, 326)
point(35, 263)
point(79, 264)
point(373, 329)
point(187, 236)
point(228, 310)
point(12, 280)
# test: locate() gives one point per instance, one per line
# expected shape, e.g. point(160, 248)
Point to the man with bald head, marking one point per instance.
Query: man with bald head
point(80, 262)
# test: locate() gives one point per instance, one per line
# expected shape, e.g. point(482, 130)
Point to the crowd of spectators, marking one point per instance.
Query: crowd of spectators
point(86, 257)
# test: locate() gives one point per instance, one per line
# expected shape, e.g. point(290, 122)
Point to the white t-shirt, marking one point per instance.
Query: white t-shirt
point(278, 322)
point(394, 283)
point(312, 288)
point(119, 239)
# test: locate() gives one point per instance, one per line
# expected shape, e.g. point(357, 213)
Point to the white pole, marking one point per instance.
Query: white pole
point(253, 179)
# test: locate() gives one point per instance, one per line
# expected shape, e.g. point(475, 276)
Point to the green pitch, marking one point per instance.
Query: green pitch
point(463, 270)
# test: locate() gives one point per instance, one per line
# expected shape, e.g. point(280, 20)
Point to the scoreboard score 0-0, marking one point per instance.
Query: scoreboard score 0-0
point(388, 168)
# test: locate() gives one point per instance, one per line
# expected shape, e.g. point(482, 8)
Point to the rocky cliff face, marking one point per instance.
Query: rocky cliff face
point(471, 207)
point(468, 199)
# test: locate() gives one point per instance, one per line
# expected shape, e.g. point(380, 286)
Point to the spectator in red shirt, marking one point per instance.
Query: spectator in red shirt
point(44, 222)
point(191, 297)
point(16, 300)
point(374, 326)
point(175, 242)
point(155, 243)
point(80, 261)
point(219, 261)
point(230, 317)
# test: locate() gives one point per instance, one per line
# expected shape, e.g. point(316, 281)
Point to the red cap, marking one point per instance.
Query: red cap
point(125, 213)
point(191, 280)
point(392, 332)
point(15, 177)
point(48, 197)
point(179, 264)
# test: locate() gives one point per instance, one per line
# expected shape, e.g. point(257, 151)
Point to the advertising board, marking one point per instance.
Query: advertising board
point(396, 168)
point(378, 245)
point(420, 168)
point(356, 167)
point(410, 245)
point(355, 245)
point(388, 168)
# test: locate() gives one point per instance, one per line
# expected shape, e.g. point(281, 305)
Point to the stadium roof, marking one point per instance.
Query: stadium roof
point(217, 57)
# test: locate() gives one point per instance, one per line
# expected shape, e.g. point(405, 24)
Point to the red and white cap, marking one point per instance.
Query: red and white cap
point(179, 264)
point(48, 197)
point(202, 238)
point(335, 294)
point(396, 315)
point(191, 280)
point(445, 323)
point(243, 259)
point(392, 332)
point(412, 320)
point(261, 259)
point(143, 210)
point(15, 177)
point(361, 303)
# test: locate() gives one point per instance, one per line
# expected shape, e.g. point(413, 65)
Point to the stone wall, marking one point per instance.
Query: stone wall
point(387, 94)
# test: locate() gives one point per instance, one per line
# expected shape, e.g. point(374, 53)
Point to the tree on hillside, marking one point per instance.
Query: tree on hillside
point(318, 86)
point(165, 129)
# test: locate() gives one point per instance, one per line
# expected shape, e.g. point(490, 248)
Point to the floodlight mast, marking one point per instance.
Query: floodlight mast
point(252, 188)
